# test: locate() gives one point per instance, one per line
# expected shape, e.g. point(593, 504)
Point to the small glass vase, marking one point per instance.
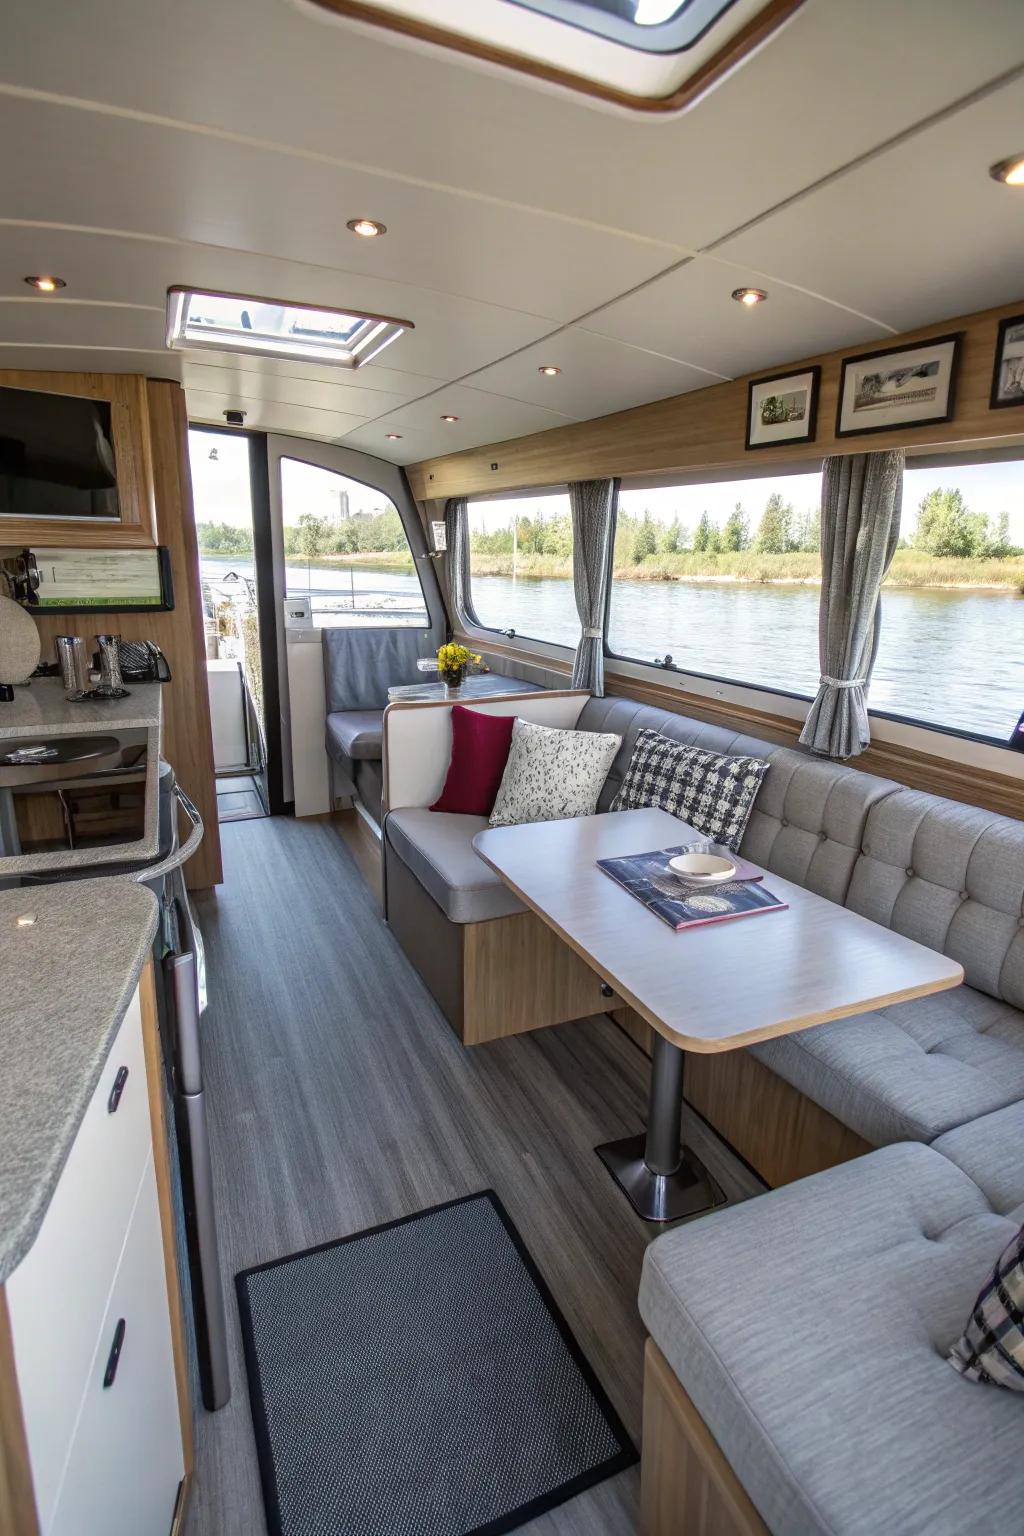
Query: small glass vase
point(452, 680)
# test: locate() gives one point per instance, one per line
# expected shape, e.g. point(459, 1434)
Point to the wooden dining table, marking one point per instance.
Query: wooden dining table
point(709, 988)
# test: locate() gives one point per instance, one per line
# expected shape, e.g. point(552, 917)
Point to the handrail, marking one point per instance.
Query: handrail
point(180, 855)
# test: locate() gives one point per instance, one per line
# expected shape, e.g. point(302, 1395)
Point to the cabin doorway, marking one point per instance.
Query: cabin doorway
point(232, 513)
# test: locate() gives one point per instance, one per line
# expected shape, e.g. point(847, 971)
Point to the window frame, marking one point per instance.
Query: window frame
point(470, 614)
point(282, 458)
point(727, 475)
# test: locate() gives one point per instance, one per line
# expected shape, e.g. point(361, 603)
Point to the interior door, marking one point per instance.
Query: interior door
point(348, 538)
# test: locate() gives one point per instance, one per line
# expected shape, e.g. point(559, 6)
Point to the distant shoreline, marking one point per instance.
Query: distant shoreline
point(748, 568)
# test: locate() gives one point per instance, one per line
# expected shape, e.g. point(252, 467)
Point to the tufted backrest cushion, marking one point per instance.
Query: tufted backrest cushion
point(950, 876)
point(809, 819)
point(809, 816)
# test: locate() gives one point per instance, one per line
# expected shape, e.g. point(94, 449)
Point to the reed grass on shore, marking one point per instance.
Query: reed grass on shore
point(909, 568)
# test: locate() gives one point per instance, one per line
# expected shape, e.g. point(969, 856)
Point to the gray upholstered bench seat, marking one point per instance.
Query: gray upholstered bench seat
point(356, 734)
point(991, 1152)
point(911, 1071)
point(438, 848)
point(809, 1327)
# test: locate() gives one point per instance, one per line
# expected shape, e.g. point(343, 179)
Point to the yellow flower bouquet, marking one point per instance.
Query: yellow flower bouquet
point(452, 661)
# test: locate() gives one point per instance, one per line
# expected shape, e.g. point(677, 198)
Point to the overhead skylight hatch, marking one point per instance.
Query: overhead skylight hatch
point(233, 322)
point(648, 55)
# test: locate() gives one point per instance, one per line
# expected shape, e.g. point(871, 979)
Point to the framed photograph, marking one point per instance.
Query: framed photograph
point(783, 409)
point(898, 387)
point(1008, 374)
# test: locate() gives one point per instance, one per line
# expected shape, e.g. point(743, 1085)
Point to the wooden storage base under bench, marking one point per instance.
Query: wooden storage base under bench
point(491, 979)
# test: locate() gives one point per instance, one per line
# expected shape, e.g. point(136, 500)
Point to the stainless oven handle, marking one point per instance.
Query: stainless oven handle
point(188, 847)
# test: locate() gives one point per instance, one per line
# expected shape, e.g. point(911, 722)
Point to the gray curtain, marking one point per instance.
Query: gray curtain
point(456, 560)
point(592, 503)
point(861, 497)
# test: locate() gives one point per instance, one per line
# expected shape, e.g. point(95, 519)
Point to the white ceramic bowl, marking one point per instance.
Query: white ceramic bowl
point(702, 868)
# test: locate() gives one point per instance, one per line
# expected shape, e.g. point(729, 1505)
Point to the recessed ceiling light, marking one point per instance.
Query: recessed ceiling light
point(368, 228)
point(449, 418)
point(749, 296)
point(44, 283)
point(549, 370)
point(25, 920)
point(395, 437)
point(1010, 172)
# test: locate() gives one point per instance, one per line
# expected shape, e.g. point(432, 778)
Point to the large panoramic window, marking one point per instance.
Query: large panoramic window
point(520, 560)
point(725, 578)
point(345, 548)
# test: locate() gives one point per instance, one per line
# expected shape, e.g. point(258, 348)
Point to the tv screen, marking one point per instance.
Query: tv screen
point(56, 456)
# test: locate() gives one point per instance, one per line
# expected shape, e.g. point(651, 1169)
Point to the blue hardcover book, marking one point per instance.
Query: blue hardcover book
point(681, 904)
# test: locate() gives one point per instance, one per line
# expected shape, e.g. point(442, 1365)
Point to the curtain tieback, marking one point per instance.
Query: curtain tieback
point(843, 682)
point(593, 634)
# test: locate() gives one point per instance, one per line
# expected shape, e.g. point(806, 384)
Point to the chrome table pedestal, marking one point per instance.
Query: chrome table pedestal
point(663, 1181)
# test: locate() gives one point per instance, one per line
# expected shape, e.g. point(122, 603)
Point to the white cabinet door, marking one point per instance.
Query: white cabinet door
point(126, 1460)
point(58, 1293)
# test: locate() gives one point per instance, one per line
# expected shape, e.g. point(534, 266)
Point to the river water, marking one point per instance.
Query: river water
point(947, 657)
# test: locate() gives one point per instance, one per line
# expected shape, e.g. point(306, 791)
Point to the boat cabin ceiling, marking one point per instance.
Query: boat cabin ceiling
point(227, 147)
point(511, 767)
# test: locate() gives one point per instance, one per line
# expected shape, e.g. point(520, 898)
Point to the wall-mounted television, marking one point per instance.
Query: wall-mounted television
point(56, 456)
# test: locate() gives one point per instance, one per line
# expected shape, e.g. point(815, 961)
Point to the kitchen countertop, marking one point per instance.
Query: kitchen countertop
point(41, 709)
point(65, 984)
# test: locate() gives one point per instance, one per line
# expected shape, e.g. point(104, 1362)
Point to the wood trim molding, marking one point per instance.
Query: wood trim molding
point(687, 1488)
point(935, 775)
point(165, 1200)
point(745, 42)
point(706, 428)
point(130, 429)
point(18, 1515)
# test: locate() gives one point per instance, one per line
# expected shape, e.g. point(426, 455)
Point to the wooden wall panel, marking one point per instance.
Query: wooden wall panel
point(188, 738)
point(705, 429)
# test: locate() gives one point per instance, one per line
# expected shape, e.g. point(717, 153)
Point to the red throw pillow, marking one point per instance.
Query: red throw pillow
point(480, 747)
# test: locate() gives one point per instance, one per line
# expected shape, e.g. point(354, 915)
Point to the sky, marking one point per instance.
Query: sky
point(221, 489)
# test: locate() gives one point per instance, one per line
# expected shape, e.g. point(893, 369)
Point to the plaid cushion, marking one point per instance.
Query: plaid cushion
point(992, 1345)
point(712, 792)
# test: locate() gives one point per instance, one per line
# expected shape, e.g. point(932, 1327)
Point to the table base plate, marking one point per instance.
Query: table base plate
point(660, 1197)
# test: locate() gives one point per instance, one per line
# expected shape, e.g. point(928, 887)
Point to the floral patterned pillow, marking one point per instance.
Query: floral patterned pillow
point(552, 774)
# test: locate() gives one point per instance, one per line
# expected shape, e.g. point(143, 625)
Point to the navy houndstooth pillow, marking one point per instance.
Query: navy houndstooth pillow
point(992, 1345)
point(712, 792)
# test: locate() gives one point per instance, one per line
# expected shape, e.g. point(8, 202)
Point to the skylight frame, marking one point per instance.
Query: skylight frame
point(682, 31)
point(361, 346)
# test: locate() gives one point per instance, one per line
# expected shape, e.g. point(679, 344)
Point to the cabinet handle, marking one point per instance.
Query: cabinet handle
point(115, 1355)
point(117, 1090)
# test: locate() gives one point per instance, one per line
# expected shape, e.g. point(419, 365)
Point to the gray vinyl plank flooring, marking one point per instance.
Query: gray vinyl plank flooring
point(339, 1098)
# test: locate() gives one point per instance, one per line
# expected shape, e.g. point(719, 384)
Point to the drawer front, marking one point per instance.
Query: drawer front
point(58, 1293)
point(126, 1460)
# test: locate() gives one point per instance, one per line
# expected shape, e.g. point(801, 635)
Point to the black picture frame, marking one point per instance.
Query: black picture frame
point(954, 337)
point(994, 402)
point(781, 379)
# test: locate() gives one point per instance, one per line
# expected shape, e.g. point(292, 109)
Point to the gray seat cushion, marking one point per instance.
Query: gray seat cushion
point(360, 665)
point(356, 733)
point(810, 1328)
point(438, 848)
point(910, 1071)
point(991, 1152)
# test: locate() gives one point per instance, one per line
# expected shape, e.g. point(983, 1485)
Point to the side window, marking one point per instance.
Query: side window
point(722, 577)
point(346, 549)
point(520, 563)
